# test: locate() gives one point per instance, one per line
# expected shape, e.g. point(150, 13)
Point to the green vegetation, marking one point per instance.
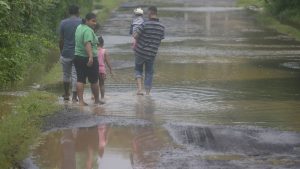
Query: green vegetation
point(258, 3)
point(272, 23)
point(285, 11)
point(28, 34)
point(281, 15)
point(21, 129)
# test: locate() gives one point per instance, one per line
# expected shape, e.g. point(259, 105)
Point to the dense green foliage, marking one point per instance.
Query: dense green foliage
point(28, 30)
point(280, 15)
point(19, 130)
point(287, 11)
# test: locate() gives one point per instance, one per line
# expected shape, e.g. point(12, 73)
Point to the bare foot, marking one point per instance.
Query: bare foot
point(74, 100)
point(139, 92)
point(100, 102)
point(66, 97)
point(147, 92)
point(82, 103)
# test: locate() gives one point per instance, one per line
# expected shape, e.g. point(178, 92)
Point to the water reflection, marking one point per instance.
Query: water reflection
point(68, 142)
point(145, 107)
point(145, 142)
point(101, 145)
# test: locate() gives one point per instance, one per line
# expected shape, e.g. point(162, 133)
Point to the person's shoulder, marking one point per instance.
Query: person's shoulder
point(79, 26)
point(71, 21)
point(83, 27)
point(153, 22)
point(77, 20)
point(63, 22)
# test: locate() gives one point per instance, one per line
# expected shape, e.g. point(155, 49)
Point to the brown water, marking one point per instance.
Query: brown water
point(226, 95)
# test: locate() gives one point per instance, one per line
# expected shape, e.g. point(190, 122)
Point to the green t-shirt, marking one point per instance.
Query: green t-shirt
point(83, 35)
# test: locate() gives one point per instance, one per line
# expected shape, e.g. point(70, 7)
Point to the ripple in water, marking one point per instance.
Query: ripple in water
point(291, 65)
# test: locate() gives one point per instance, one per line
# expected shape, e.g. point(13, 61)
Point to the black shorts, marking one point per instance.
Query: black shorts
point(83, 71)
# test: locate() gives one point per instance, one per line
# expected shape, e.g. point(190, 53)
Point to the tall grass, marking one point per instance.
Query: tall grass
point(21, 128)
point(280, 15)
point(259, 3)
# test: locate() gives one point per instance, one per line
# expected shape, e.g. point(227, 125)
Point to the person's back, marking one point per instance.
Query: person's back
point(101, 58)
point(68, 28)
point(148, 38)
point(151, 33)
point(67, 48)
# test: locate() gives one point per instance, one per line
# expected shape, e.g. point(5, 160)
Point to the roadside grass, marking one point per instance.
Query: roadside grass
point(272, 23)
point(54, 76)
point(286, 23)
point(245, 3)
point(21, 128)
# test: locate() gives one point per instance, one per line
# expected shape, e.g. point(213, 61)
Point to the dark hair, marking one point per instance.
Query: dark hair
point(89, 16)
point(101, 41)
point(152, 9)
point(73, 10)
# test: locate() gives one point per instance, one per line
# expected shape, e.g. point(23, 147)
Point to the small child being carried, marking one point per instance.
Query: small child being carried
point(136, 21)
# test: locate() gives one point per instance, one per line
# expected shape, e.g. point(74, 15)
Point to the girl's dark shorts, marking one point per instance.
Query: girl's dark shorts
point(83, 71)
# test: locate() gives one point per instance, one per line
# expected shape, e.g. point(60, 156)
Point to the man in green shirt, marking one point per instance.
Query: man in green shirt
point(86, 62)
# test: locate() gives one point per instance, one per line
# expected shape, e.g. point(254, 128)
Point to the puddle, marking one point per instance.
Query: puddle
point(188, 146)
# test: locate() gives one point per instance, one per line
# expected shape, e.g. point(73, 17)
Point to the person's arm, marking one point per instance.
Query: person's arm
point(107, 61)
point(61, 43)
point(88, 37)
point(89, 51)
point(135, 35)
point(138, 31)
point(61, 38)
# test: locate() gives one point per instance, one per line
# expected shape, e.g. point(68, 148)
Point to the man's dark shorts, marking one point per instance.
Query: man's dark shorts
point(83, 71)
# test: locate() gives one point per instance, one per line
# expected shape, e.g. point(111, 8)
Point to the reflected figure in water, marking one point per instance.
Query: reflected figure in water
point(145, 138)
point(91, 143)
point(103, 139)
point(68, 149)
point(145, 107)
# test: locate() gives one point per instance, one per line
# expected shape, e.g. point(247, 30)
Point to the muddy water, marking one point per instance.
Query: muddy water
point(226, 95)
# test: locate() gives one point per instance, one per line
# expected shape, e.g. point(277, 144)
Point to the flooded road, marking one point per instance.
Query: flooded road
point(226, 95)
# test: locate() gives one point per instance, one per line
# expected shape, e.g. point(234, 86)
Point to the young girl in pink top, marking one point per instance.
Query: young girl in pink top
point(103, 59)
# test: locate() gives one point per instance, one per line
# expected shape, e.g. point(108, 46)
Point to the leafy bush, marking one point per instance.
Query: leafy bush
point(28, 29)
point(284, 10)
point(19, 52)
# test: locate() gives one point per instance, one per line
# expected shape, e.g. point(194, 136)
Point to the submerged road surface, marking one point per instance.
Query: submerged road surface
point(226, 96)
